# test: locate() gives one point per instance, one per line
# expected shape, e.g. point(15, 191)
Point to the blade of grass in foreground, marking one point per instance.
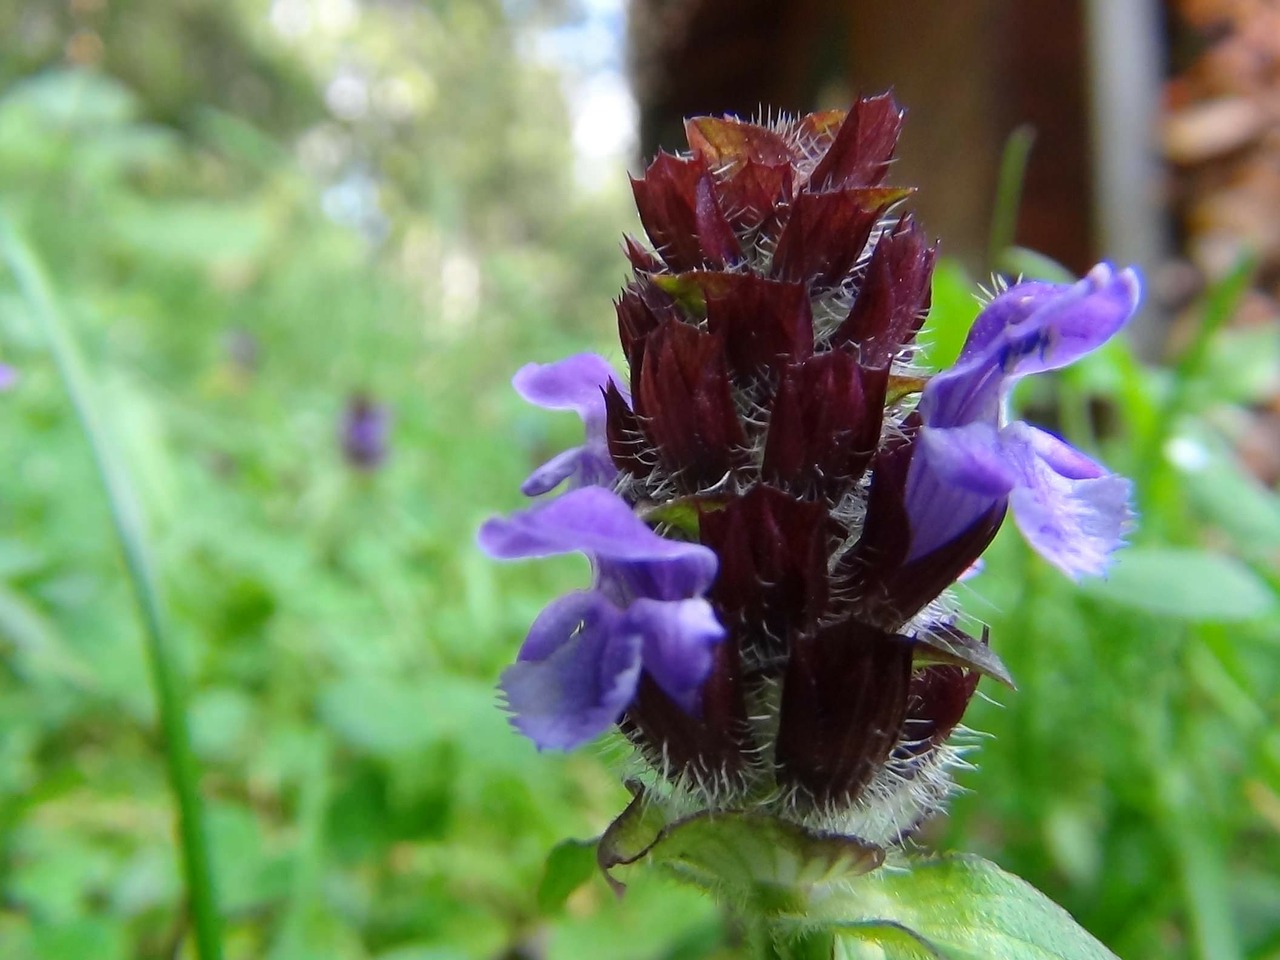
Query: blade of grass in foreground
point(126, 517)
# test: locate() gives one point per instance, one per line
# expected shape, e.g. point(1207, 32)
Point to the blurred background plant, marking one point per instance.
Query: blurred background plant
point(275, 225)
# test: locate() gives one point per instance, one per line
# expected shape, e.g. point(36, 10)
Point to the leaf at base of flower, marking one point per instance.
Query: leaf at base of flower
point(743, 858)
point(956, 908)
point(631, 835)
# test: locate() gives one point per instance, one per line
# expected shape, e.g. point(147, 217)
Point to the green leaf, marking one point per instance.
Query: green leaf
point(570, 865)
point(31, 639)
point(630, 836)
point(888, 941)
point(1243, 364)
point(196, 232)
point(1009, 183)
point(90, 937)
point(957, 908)
point(427, 952)
point(1033, 265)
point(1186, 584)
point(377, 714)
point(742, 857)
point(1229, 494)
point(953, 309)
point(75, 98)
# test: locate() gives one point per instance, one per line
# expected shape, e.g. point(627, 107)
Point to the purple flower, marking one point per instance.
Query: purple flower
point(773, 641)
point(365, 425)
point(575, 383)
point(580, 665)
point(967, 460)
point(8, 377)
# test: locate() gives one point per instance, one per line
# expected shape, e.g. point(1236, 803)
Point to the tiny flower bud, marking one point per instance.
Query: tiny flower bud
point(363, 434)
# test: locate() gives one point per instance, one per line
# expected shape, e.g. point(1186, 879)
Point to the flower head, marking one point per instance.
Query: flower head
point(776, 506)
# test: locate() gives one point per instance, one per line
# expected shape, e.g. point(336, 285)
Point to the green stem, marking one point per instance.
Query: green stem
point(1201, 871)
point(127, 520)
point(806, 945)
point(811, 945)
point(775, 940)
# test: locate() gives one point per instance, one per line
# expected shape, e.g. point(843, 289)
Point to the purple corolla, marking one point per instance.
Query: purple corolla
point(968, 460)
point(364, 430)
point(575, 383)
point(580, 665)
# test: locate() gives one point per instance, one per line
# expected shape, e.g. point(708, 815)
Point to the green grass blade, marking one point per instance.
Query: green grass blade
point(126, 517)
point(1013, 171)
point(1220, 304)
point(1201, 869)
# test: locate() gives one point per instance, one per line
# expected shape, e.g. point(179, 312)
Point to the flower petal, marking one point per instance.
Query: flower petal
point(598, 522)
point(678, 642)
point(1007, 310)
point(587, 465)
point(576, 673)
point(1028, 329)
point(554, 472)
point(1083, 318)
point(969, 457)
point(1069, 508)
point(575, 383)
point(956, 476)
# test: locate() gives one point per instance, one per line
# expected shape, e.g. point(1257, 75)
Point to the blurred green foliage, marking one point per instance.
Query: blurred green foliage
point(341, 633)
point(1134, 774)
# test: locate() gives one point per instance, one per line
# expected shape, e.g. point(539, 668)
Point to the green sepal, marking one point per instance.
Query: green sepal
point(683, 514)
point(726, 143)
point(631, 835)
point(901, 386)
point(688, 289)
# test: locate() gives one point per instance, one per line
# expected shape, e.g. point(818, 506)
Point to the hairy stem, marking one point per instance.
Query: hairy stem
point(776, 938)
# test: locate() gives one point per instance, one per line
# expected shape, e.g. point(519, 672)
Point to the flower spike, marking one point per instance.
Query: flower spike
point(775, 507)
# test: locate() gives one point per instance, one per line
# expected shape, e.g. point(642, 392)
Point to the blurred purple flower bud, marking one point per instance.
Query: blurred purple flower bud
point(243, 350)
point(363, 433)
